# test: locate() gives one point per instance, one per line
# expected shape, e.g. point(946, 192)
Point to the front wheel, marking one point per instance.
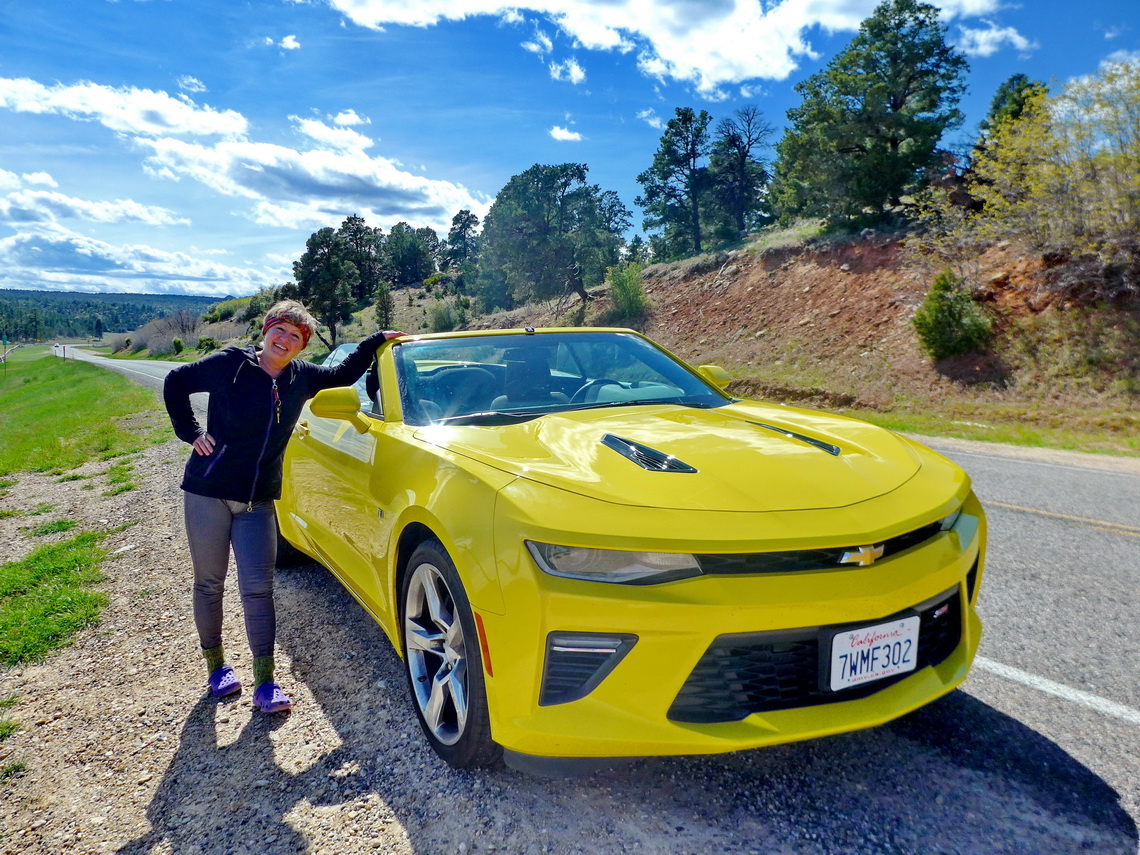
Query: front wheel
point(443, 662)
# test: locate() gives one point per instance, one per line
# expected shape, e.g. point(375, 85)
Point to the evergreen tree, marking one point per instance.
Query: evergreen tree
point(549, 233)
point(462, 239)
point(411, 252)
point(364, 247)
point(325, 281)
point(869, 124)
point(673, 186)
point(738, 174)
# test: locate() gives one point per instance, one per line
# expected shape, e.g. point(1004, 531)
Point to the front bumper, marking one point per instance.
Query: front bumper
point(676, 691)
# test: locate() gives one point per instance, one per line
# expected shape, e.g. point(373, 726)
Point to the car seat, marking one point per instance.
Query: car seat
point(527, 380)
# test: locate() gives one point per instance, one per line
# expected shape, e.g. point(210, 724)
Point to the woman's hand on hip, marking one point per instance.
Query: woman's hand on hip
point(204, 445)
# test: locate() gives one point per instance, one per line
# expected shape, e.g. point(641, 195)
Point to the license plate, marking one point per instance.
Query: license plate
point(873, 652)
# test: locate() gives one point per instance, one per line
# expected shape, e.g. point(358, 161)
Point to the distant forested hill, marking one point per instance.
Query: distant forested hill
point(41, 315)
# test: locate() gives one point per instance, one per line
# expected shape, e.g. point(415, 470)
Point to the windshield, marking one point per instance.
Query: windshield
point(492, 379)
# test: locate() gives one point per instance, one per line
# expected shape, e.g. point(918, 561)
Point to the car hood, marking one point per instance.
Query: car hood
point(747, 456)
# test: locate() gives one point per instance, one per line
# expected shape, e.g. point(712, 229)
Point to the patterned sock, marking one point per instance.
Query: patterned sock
point(215, 658)
point(262, 670)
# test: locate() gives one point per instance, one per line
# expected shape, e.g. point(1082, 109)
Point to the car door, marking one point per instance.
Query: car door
point(332, 467)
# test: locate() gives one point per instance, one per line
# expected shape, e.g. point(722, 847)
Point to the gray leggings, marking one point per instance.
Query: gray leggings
point(212, 525)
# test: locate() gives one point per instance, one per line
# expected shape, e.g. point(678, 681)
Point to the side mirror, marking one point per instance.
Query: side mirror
point(342, 403)
point(715, 375)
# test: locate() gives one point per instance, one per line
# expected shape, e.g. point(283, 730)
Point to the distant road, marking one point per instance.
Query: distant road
point(149, 373)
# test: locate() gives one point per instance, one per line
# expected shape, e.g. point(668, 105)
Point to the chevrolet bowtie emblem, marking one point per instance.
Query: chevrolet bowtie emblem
point(864, 556)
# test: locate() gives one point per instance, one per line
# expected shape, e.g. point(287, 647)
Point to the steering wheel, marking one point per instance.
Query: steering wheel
point(580, 396)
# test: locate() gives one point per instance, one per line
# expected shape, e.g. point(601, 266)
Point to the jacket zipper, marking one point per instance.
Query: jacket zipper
point(264, 443)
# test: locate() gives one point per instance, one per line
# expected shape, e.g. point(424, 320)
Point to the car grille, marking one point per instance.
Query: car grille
point(806, 559)
point(748, 673)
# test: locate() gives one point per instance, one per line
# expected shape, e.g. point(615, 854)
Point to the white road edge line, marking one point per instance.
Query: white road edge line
point(1061, 691)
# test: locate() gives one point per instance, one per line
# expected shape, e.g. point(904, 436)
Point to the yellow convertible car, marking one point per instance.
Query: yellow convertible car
point(583, 548)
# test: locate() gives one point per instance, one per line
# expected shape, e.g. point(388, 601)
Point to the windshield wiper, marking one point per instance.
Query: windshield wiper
point(487, 417)
point(642, 402)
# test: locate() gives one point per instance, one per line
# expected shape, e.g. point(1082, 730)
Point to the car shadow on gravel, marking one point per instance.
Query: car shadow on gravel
point(955, 777)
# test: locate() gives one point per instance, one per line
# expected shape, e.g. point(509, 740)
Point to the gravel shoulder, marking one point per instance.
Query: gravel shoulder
point(126, 753)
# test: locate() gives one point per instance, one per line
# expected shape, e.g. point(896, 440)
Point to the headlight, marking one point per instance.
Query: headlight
point(611, 565)
point(950, 520)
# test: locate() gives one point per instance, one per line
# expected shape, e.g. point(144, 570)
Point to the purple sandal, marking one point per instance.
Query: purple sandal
point(269, 698)
point(223, 681)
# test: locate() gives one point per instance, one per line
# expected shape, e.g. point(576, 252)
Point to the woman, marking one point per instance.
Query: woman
point(234, 475)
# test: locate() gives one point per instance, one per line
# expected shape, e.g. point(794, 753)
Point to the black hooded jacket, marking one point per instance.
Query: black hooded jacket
point(249, 423)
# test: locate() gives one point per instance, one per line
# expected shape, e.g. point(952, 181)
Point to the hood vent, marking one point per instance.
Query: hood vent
point(644, 456)
point(818, 443)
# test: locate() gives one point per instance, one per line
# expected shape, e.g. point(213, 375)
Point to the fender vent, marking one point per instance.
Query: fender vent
point(644, 456)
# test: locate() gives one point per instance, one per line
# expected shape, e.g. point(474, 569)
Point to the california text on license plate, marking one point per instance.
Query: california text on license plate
point(873, 652)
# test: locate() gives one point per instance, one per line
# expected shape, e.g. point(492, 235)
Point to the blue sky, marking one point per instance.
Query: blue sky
point(182, 146)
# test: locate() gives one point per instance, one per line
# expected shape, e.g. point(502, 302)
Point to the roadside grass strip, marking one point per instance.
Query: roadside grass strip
point(46, 597)
point(58, 414)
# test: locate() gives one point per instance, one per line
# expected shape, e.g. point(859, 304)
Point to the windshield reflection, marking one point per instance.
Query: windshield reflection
point(501, 379)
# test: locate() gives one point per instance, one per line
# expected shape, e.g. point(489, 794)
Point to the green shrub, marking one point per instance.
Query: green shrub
point(626, 294)
point(949, 322)
point(442, 316)
point(178, 345)
point(207, 343)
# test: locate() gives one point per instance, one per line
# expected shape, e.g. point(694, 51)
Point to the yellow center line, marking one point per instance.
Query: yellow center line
point(1115, 528)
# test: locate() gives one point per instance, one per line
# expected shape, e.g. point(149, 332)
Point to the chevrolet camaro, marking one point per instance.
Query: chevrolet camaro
point(581, 547)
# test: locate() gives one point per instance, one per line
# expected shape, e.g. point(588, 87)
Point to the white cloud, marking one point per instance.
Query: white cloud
point(191, 84)
point(565, 134)
point(568, 70)
point(41, 178)
point(301, 189)
point(350, 117)
point(697, 41)
point(684, 40)
point(54, 258)
point(651, 118)
point(125, 109)
point(8, 180)
point(289, 43)
point(540, 44)
point(989, 40)
point(31, 206)
point(1127, 57)
point(338, 138)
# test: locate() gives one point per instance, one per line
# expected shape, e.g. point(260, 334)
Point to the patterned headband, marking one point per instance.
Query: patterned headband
point(302, 328)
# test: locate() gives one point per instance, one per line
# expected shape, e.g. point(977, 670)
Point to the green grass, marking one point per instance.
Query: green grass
point(8, 726)
point(12, 770)
point(46, 597)
point(119, 477)
point(56, 414)
point(53, 527)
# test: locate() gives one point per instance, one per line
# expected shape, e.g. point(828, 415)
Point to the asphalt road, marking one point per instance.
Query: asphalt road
point(1038, 753)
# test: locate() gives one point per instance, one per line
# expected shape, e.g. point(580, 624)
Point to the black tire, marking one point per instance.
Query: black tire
point(442, 660)
point(287, 554)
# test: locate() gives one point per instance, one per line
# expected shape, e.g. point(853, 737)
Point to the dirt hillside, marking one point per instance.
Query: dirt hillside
point(830, 325)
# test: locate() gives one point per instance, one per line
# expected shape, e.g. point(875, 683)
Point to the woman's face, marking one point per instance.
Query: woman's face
point(282, 343)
